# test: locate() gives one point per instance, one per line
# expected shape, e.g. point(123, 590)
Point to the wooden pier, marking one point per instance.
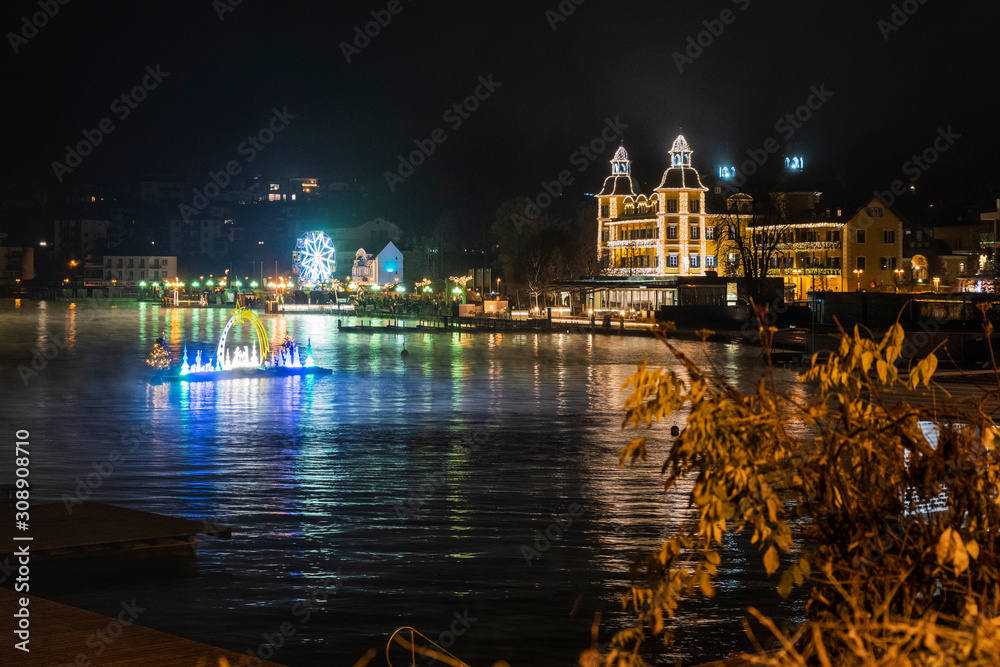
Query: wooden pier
point(64, 635)
point(88, 530)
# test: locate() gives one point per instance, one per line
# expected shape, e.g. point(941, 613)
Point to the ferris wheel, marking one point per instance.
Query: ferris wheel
point(315, 258)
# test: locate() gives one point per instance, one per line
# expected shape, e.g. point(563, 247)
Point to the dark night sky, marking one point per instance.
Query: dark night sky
point(607, 59)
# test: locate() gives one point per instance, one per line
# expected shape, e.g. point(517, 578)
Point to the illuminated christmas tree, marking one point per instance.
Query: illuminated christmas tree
point(159, 358)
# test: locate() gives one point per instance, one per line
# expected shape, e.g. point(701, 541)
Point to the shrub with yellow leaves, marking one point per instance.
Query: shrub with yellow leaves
point(893, 510)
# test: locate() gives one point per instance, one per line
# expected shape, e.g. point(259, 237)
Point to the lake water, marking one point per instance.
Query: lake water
point(485, 436)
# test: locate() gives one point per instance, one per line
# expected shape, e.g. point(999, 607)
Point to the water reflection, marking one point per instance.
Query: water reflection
point(491, 434)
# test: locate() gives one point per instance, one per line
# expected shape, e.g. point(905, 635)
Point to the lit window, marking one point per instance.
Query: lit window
point(695, 261)
point(710, 262)
point(710, 233)
point(672, 261)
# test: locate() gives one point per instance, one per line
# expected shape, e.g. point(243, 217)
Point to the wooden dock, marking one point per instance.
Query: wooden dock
point(60, 634)
point(89, 530)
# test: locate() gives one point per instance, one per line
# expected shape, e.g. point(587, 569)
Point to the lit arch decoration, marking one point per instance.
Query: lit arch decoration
point(241, 314)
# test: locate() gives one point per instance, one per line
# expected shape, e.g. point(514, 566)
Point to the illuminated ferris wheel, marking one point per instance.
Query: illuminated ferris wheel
point(315, 258)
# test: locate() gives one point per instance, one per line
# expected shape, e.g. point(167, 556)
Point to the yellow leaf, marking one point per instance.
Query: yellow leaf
point(943, 549)
point(883, 370)
point(771, 561)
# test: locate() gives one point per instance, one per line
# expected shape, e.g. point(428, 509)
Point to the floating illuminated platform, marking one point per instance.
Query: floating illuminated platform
point(245, 362)
point(239, 373)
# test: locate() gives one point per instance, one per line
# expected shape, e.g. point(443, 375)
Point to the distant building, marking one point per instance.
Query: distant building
point(79, 238)
point(382, 269)
point(130, 270)
point(16, 264)
point(827, 251)
point(161, 189)
point(663, 234)
point(372, 234)
point(209, 237)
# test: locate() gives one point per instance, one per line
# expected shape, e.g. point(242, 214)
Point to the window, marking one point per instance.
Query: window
point(142, 263)
point(695, 232)
point(718, 190)
point(710, 262)
point(131, 263)
point(710, 233)
point(875, 211)
point(695, 205)
point(604, 210)
point(889, 236)
point(131, 275)
point(672, 233)
point(142, 275)
point(695, 261)
point(672, 261)
point(671, 206)
point(732, 234)
point(861, 263)
point(888, 263)
point(120, 263)
point(834, 236)
point(861, 236)
point(604, 236)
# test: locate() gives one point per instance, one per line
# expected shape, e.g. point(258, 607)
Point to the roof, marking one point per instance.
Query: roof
point(680, 145)
point(686, 178)
point(618, 184)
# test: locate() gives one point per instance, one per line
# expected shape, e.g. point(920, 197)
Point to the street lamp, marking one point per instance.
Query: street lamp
point(937, 283)
point(857, 278)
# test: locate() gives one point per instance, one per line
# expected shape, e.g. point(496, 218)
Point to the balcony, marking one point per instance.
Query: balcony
point(639, 243)
point(810, 245)
point(817, 271)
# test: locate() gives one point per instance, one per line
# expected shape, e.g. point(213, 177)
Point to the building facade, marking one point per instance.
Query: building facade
point(826, 251)
point(663, 234)
point(131, 270)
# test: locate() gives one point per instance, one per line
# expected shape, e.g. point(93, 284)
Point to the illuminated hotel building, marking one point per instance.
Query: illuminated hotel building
point(663, 234)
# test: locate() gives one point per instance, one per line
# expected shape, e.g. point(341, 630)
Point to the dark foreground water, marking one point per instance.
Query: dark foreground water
point(401, 491)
